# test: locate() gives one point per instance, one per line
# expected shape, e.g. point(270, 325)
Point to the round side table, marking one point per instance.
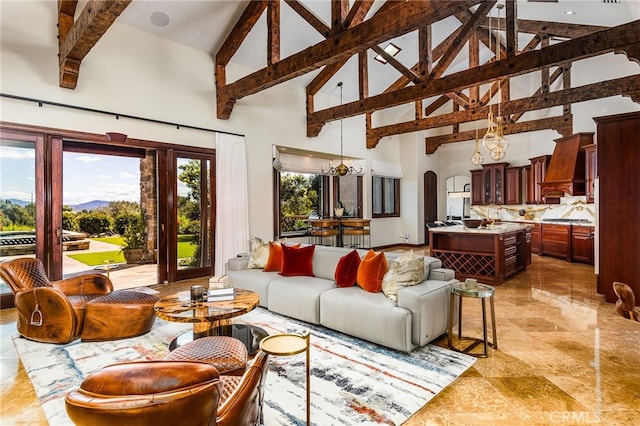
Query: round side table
point(481, 291)
point(289, 344)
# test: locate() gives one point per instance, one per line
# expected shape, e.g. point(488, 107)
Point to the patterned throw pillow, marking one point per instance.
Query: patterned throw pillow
point(347, 269)
point(297, 261)
point(274, 262)
point(371, 271)
point(259, 253)
point(406, 270)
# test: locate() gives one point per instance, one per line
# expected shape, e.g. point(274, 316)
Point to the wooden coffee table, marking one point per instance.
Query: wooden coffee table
point(212, 318)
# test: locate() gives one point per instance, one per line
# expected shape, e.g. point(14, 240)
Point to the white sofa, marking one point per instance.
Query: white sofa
point(419, 315)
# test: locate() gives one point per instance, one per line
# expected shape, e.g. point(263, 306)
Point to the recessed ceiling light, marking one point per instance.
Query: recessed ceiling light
point(391, 49)
point(160, 18)
point(570, 12)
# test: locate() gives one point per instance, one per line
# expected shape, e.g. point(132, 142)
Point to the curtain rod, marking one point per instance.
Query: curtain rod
point(41, 102)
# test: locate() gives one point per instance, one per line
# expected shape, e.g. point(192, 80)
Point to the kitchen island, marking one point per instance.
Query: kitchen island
point(489, 255)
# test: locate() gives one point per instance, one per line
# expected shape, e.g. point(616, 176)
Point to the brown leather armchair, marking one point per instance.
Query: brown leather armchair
point(147, 393)
point(50, 311)
point(169, 392)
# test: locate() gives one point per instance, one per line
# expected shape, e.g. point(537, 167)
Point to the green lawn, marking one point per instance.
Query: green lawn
point(185, 249)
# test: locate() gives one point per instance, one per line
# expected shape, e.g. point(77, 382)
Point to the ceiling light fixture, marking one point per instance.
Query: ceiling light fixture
point(477, 159)
point(391, 49)
point(341, 169)
point(494, 140)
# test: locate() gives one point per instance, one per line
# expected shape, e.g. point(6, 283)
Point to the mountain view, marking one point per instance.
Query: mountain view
point(89, 205)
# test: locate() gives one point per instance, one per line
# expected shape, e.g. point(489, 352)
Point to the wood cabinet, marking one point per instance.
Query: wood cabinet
point(618, 140)
point(582, 243)
point(536, 238)
point(535, 176)
point(556, 240)
point(476, 187)
point(590, 170)
point(489, 256)
point(493, 181)
point(513, 185)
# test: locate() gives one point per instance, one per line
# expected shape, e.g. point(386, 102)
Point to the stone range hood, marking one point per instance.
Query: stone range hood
point(566, 170)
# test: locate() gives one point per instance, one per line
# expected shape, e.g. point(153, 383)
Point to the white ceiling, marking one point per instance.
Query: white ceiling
point(204, 25)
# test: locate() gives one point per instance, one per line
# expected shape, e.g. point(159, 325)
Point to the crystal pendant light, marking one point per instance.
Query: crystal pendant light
point(477, 159)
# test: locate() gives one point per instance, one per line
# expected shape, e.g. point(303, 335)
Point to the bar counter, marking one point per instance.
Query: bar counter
point(489, 255)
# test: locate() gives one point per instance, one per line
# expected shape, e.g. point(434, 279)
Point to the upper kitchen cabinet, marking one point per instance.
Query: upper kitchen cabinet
point(493, 181)
point(496, 184)
point(513, 186)
point(535, 177)
point(590, 170)
point(477, 198)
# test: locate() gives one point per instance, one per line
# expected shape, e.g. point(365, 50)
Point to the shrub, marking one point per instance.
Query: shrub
point(125, 220)
point(69, 221)
point(95, 223)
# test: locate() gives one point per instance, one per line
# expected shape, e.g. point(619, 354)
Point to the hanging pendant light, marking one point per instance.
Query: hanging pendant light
point(477, 159)
point(341, 169)
point(494, 140)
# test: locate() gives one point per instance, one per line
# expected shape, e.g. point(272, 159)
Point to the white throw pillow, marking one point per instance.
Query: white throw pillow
point(259, 253)
point(406, 270)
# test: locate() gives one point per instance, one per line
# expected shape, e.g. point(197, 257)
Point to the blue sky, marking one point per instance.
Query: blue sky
point(86, 177)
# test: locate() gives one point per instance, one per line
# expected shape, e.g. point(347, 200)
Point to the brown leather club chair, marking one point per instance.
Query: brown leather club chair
point(169, 393)
point(626, 303)
point(149, 393)
point(50, 311)
point(242, 398)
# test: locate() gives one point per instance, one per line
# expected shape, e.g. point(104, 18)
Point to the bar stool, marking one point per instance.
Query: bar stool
point(358, 231)
point(319, 229)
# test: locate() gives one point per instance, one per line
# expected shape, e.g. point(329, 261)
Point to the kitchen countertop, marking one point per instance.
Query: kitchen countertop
point(551, 222)
point(501, 228)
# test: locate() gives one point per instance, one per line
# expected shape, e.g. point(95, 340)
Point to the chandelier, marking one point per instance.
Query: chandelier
point(341, 169)
point(494, 140)
point(477, 158)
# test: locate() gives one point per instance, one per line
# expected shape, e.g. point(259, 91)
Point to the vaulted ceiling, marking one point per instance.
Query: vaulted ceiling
point(458, 57)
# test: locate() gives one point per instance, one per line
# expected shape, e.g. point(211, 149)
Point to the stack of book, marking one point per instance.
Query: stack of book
point(220, 294)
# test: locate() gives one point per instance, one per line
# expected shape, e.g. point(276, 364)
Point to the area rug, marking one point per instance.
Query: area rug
point(352, 381)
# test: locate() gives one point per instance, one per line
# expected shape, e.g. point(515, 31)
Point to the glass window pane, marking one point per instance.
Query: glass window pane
point(389, 195)
point(300, 197)
point(377, 195)
point(348, 195)
point(17, 201)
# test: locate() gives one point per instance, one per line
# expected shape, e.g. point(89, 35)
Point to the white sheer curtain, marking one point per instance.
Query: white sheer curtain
point(232, 212)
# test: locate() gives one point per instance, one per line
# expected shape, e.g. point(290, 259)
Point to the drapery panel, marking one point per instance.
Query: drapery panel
point(232, 202)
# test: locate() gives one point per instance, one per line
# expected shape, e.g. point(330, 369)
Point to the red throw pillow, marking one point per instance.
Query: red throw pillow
point(347, 269)
point(274, 263)
point(297, 261)
point(371, 271)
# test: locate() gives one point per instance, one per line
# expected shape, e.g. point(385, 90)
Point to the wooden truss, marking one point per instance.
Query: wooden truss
point(350, 34)
point(76, 37)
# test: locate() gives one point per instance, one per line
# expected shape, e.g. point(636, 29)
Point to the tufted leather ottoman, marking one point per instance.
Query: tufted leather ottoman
point(118, 315)
point(227, 354)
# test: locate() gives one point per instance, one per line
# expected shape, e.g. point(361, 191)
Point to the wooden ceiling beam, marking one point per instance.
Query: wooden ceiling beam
point(77, 37)
point(536, 102)
point(598, 43)
point(241, 29)
point(355, 17)
point(563, 124)
point(554, 29)
point(400, 19)
point(273, 32)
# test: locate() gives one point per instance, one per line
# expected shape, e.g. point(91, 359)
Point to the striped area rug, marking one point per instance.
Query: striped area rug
point(352, 381)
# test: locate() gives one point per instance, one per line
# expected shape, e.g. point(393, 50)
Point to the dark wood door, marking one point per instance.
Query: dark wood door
point(430, 199)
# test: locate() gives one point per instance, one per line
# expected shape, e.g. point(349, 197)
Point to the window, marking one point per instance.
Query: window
point(386, 196)
point(348, 193)
point(300, 195)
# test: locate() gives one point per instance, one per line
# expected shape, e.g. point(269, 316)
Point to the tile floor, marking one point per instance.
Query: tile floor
point(564, 357)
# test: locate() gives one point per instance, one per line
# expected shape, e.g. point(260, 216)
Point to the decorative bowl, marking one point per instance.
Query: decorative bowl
point(472, 223)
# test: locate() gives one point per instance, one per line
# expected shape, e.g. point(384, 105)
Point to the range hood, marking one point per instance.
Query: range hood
point(565, 173)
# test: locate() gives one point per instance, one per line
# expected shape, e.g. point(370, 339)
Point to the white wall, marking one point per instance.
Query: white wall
point(136, 73)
